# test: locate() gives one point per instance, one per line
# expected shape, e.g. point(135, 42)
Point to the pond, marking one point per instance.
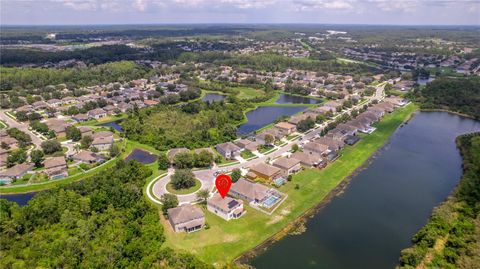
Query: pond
point(21, 199)
point(115, 124)
point(264, 115)
point(424, 81)
point(213, 97)
point(141, 156)
point(384, 205)
point(295, 99)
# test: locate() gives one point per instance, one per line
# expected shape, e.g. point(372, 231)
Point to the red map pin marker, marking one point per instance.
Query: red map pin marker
point(223, 183)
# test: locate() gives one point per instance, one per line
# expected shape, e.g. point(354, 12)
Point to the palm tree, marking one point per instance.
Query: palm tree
point(203, 195)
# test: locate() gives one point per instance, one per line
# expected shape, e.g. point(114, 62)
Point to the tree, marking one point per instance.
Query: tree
point(51, 146)
point(184, 160)
point(203, 195)
point(269, 139)
point(183, 179)
point(21, 116)
point(73, 133)
point(295, 147)
point(203, 159)
point(37, 157)
point(163, 162)
point(236, 175)
point(168, 201)
point(114, 151)
point(16, 156)
point(86, 142)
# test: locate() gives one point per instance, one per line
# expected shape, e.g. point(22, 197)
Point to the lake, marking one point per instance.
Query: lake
point(212, 97)
point(141, 156)
point(115, 124)
point(264, 115)
point(294, 99)
point(384, 205)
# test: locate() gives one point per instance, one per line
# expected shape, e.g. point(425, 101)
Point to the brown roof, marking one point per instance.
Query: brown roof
point(330, 142)
point(265, 169)
point(307, 159)
point(184, 213)
point(286, 163)
point(284, 125)
point(254, 191)
point(226, 204)
point(317, 147)
point(87, 156)
point(17, 170)
point(54, 162)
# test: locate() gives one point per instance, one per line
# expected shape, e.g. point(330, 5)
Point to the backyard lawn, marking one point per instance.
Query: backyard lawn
point(239, 236)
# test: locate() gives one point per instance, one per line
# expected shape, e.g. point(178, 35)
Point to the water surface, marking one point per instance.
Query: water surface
point(213, 97)
point(21, 199)
point(141, 156)
point(115, 124)
point(295, 99)
point(265, 115)
point(384, 205)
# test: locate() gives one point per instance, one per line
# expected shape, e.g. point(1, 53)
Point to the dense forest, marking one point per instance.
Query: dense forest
point(102, 222)
point(451, 239)
point(193, 125)
point(456, 94)
point(40, 77)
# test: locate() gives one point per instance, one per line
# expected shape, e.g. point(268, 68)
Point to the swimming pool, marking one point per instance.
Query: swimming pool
point(270, 201)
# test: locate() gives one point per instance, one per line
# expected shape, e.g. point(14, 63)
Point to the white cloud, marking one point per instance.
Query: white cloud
point(397, 5)
point(80, 5)
point(303, 5)
point(139, 5)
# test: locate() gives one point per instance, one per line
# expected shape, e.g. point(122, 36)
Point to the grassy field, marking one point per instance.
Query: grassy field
point(224, 241)
point(195, 188)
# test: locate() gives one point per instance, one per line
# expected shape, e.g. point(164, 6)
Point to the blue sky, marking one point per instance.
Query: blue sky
point(430, 12)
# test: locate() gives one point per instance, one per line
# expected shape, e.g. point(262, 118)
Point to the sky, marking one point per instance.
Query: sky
point(398, 12)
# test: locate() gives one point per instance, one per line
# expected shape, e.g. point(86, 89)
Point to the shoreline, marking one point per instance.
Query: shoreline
point(244, 258)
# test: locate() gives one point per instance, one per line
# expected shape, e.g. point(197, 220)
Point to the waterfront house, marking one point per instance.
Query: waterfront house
point(97, 113)
point(15, 172)
point(266, 171)
point(228, 150)
point(249, 191)
point(316, 148)
point(288, 165)
point(186, 218)
point(109, 109)
point(102, 140)
point(227, 208)
point(86, 156)
point(309, 160)
point(56, 167)
point(285, 128)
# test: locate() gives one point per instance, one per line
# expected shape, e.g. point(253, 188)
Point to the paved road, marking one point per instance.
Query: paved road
point(207, 177)
point(20, 126)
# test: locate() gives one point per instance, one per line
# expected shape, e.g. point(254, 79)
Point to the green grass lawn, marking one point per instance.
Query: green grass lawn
point(195, 188)
point(247, 154)
point(3, 125)
point(224, 241)
point(249, 92)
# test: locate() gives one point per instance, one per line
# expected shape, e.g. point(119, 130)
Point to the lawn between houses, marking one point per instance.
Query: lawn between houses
point(224, 241)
